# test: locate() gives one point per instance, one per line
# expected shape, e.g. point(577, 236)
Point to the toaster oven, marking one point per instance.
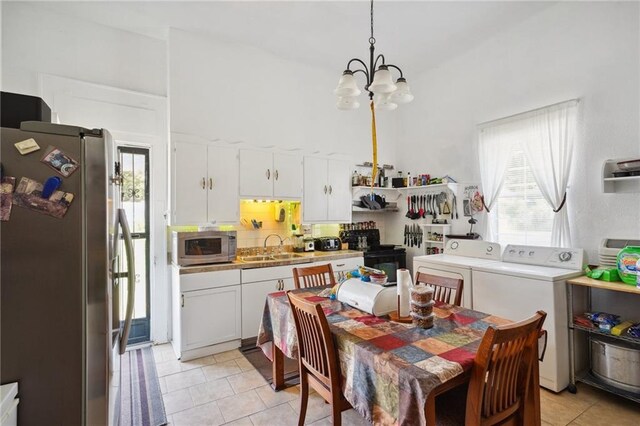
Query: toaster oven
point(199, 248)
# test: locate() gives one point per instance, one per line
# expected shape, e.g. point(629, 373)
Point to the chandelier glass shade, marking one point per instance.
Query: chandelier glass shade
point(383, 91)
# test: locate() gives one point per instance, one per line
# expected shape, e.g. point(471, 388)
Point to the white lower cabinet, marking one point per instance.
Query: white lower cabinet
point(256, 285)
point(206, 312)
point(213, 311)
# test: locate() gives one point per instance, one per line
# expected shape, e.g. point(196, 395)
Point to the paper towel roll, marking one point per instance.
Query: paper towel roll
point(404, 283)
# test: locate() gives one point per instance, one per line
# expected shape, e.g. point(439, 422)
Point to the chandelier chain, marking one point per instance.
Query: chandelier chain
point(372, 39)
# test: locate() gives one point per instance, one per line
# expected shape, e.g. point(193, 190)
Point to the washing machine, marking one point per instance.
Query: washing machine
point(457, 261)
point(529, 279)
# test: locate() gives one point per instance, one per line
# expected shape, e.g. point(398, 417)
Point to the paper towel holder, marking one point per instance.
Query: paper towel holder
point(395, 316)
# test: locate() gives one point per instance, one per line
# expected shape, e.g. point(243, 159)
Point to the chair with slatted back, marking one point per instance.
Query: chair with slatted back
point(317, 358)
point(444, 287)
point(500, 378)
point(314, 276)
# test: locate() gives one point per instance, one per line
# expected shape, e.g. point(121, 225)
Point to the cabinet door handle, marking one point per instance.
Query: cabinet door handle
point(275, 174)
point(330, 189)
point(340, 264)
point(204, 183)
point(268, 174)
point(182, 303)
point(325, 189)
point(210, 183)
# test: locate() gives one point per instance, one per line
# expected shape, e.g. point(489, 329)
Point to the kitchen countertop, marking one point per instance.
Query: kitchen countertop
point(309, 257)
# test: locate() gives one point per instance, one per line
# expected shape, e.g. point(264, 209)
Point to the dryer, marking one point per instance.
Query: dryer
point(459, 258)
point(529, 279)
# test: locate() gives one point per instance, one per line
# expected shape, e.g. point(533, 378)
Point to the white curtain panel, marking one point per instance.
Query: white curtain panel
point(494, 149)
point(548, 147)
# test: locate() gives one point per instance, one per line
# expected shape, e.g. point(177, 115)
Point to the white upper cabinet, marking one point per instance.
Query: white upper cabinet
point(327, 191)
point(287, 171)
point(223, 203)
point(270, 175)
point(204, 184)
point(340, 199)
point(189, 189)
point(256, 173)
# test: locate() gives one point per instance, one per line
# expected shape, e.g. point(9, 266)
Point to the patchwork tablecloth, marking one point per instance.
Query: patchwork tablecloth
point(388, 368)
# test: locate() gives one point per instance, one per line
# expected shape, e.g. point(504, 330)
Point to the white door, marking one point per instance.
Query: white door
point(339, 200)
point(190, 183)
point(222, 185)
point(256, 173)
point(287, 171)
point(210, 316)
point(254, 297)
point(316, 188)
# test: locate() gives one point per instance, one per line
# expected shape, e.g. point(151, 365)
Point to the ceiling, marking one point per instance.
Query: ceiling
point(415, 35)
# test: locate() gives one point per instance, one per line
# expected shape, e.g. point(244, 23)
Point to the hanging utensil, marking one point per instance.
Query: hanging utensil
point(408, 207)
point(421, 211)
point(455, 207)
point(406, 235)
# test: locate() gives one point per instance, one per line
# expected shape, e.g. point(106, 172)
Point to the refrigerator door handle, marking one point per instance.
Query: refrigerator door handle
point(128, 246)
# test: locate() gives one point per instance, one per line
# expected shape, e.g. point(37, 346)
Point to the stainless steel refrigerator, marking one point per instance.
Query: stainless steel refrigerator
point(61, 332)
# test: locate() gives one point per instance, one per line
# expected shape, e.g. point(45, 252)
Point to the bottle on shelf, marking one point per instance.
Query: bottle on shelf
point(355, 178)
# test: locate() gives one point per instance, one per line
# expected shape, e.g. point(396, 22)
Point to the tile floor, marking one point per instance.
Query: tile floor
point(226, 389)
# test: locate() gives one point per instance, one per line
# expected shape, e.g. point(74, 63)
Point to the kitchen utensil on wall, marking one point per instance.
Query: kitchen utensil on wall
point(408, 207)
point(421, 211)
point(445, 208)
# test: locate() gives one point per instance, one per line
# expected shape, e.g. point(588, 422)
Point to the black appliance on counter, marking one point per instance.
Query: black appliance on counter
point(327, 244)
point(386, 257)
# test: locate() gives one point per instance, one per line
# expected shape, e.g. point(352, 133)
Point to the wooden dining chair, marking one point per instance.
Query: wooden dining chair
point(317, 358)
point(314, 276)
point(500, 378)
point(444, 287)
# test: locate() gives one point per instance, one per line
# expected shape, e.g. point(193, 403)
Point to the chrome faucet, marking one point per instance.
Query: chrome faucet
point(272, 235)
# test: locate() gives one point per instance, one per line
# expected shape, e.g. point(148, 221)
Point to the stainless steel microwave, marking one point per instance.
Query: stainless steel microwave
point(199, 248)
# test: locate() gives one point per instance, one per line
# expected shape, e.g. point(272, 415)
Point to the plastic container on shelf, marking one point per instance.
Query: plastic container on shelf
point(627, 262)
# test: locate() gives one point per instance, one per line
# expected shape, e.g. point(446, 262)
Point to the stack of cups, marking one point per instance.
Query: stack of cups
point(422, 306)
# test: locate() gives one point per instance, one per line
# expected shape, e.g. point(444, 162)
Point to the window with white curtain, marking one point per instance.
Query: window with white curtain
point(525, 164)
point(522, 215)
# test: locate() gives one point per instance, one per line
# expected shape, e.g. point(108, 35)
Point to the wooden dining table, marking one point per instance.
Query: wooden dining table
point(392, 372)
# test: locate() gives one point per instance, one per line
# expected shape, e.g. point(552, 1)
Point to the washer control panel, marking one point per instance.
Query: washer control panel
point(555, 257)
point(473, 248)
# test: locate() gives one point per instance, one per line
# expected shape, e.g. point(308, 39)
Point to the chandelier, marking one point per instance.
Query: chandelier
point(383, 92)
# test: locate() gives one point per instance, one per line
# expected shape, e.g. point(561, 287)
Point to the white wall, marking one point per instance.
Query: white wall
point(586, 50)
point(37, 40)
point(236, 92)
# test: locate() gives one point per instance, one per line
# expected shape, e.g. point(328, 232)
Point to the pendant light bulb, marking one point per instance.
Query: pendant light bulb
point(346, 103)
point(347, 85)
point(402, 94)
point(383, 102)
point(382, 82)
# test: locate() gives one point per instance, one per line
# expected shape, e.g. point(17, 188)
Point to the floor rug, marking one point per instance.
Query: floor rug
point(258, 359)
point(142, 403)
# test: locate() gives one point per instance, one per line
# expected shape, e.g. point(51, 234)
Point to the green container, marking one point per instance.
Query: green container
point(627, 261)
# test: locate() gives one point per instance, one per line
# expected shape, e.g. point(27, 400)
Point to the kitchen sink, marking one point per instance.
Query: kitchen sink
point(270, 257)
point(256, 258)
point(286, 256)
